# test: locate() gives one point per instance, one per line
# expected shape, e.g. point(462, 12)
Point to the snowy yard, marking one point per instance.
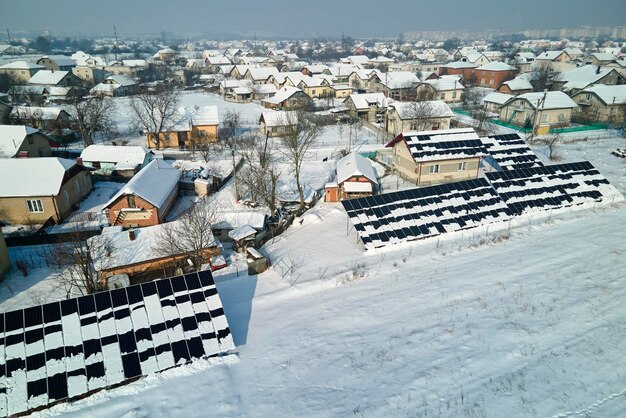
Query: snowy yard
point(531, 324)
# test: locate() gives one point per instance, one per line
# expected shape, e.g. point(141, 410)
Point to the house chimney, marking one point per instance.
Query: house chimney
point(79, 161)
point(598, 70)
point(131, 234)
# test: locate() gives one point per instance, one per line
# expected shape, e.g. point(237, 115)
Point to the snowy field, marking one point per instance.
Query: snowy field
point(525, 324)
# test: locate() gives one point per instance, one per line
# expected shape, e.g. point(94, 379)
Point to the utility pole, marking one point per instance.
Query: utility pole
point(116, 45)
point(9, 36)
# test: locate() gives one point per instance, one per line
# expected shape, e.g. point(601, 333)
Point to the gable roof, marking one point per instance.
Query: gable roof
point(607, 94)
point(399, 79)
point(445, 84)
point(582, 77)
point(11, 138)
point(115, 154)
point(48, 77)
point(498, 98)
point(354, 164)
point(362, 101)
point(496, 66)
point(518, 84)
point(22, 65)
point(37, 112)
point(553, 100)
point(441, 145)
point(273, 118)
point(60, 60)
point(550, 55)
point(153, 183)
point(283, 94)
point(33, 176)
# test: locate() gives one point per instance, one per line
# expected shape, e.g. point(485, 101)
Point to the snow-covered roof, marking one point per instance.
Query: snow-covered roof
point(518, 84)
point(549, 55)
point(428, 108)
point(496, 66)
point(123, 251)
point(36, 112)
point(21, 65)
point(498, 98)
point(122, 80)
point(261, 73)
point(232, 220)
point(363, 101)
point(242, 232)
point(218, 60)
point(33, 176)
point(115, 154)
point(460, 65)
point(399, 79)
point(273, 118)
point(11, 138)
point(60, 60)
point(282, 95)
point(582, 77)
point(135, 63)
point(355, 164)
point(204, 115)
point(604, 56)
point(553, 100)
point(445, 84)
point(153, 183)
point(48, 77)
point(608, 94)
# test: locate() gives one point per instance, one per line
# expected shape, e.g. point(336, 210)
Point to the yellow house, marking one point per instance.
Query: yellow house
point(23, 141)
point(20, 71)
point(434, 157)
point(540, 111)
point(418, 116)
point(191, 125)
point(316, 87)
point(600, 103)
point(5, 261)
point(41, 188)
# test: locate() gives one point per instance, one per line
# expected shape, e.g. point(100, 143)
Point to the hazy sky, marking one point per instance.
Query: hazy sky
point(357, 18)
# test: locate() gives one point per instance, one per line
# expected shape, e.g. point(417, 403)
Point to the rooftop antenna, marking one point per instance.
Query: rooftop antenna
point(116, 46)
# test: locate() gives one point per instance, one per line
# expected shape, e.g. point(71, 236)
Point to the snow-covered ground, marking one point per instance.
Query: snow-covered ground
point(525, 324)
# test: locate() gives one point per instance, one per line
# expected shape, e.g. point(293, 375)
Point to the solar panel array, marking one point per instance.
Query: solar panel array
point(66, 349)
point(543, 188)
point(424, 212)
point(510, 152)
point(445, 145)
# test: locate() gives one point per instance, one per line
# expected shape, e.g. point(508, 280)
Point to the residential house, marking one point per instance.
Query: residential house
point(5, 261)
point(147, 198)
point(516, 86)
point(580, 78)
point(371, 107)
point(475, 57)
point(493, 74)
point(288, 98)
point(214, 64)
point(599, 58)
point(412, 116)
point(23, 142)
point(260, 75)
point(50, 119)
point(274, 123)
point(363, 81)
point(110, 159)
point(57, 62)
point(41, 189)
point(356, 177)
point(341, 72)
point(381, 62)
point(191, 126)
point(166, 55)
point(465, 69)
point(600, 103)
point(399, 85)
point(19, 72)
point(446, 88)
point(315, 87)
point(54, 78)
point(494, 100)
point(135, 254)
point(90, 75)
point(116, 86)
point(341, 91)
point(314, 69)
point(538, 111)
point(434, 157)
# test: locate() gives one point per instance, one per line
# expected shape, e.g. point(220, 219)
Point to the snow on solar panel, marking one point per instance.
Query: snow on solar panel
point(534, 189)
point(424, 212)
point(510, 152)
point(453, 143)
point(65, 349)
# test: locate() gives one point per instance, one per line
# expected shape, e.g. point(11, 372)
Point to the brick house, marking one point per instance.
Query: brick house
point(147, 198)
point(494, 74)
point(356, 177)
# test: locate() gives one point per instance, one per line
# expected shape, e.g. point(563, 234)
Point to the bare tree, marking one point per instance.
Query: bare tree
point(27, 116)
point(420, 116)
point(190, 235)
point(79, 261)
point(155, 111)
point(297, 142)
point(551, 142)
point(425, 93)
point(205, 145)
point(483, 125)
point(469, 97)
point(259, 176)
point(542, 77)
point(94, 114)
point(229, 134)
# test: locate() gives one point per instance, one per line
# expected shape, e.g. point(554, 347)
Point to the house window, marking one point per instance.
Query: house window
point(462, 166)
point(34, 206)
point(544, 118)
point(77, 187)
point(454, 94)
point(131, 202)
point(66, 197)
point(443, 96)
point(433, 169)
point(31, 141)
